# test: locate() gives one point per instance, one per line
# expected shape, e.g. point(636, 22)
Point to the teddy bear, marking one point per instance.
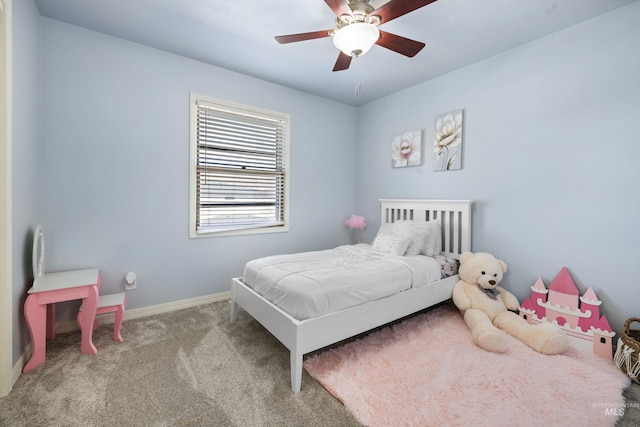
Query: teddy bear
point(486, 308)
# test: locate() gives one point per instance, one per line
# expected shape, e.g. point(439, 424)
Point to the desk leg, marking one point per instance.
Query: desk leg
point(36, 316)
point(51, 321)
point(86, 317)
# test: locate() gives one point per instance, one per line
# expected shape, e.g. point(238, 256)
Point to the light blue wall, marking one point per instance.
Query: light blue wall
point(550, 132)
point(116, 166)
point(26, 161)
point(550, 156)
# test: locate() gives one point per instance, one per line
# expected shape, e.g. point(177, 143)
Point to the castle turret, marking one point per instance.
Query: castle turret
point(526, 310)
point(589, 302)
point(538, 298)
point(603, 338)
point(563, 290)
point(562, 304)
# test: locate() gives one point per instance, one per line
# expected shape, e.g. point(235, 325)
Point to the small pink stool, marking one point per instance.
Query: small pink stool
point(113, 303)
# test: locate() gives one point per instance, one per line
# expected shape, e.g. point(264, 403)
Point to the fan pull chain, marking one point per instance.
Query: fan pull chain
point(358, 86)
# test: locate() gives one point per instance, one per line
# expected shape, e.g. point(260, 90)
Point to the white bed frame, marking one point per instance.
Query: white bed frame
point(304, 336)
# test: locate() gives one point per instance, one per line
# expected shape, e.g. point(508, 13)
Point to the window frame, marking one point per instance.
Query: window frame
point(249, 110)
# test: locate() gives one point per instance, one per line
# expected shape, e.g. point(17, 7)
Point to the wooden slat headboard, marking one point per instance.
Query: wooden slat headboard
point(455, 216)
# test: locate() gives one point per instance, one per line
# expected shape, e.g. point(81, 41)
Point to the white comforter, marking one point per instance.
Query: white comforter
point(311, 284)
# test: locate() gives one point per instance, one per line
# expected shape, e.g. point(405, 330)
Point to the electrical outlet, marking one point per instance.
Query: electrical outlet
point(130, 281)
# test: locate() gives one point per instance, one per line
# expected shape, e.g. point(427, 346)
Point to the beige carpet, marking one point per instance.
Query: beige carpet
point(187, 368)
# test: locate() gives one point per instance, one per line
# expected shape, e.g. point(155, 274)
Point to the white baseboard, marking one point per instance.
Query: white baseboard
point(135, 313)
point(17, 368)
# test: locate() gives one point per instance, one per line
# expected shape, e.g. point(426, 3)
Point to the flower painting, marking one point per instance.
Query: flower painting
point(406, 149)
point(447, 144)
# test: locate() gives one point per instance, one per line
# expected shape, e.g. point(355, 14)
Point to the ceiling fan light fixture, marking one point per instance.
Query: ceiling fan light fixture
point(356, 39)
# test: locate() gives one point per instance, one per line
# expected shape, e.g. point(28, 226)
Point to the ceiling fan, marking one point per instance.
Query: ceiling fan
point(357, 31)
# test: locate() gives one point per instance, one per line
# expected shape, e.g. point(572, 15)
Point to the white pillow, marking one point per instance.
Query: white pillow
point(391, 243)
point(426, 236)
point(433, 242)
point(408, 227)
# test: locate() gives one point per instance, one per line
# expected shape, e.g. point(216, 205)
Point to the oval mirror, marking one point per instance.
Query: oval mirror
point(38, 253)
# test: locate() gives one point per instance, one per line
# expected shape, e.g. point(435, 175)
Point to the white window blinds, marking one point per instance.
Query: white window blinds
point(240, 168)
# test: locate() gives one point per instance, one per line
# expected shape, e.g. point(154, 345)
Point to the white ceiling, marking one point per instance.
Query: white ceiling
point(239, 35)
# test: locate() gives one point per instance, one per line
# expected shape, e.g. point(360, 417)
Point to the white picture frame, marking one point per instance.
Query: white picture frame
point(406, 149)
point(448, 141)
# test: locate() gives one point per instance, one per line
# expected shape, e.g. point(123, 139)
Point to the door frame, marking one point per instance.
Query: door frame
point(6, 294)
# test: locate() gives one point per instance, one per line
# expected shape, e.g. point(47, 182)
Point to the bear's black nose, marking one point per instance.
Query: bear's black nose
point(492, 282)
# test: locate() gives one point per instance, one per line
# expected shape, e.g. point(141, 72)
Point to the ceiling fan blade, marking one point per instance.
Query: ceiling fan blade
point(343, 62)
point(397, 8)
point(290, 38)
point(402, 45)
point(339, 7)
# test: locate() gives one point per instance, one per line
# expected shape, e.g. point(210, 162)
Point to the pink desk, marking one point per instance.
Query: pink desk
point(39, 308)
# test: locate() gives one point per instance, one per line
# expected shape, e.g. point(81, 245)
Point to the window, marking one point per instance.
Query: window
point(239, 177)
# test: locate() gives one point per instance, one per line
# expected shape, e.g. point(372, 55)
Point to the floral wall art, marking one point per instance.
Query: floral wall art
point(406, 149)
point(447, 144)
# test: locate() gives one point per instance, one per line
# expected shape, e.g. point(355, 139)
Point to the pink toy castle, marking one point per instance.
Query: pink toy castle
point(578, 316)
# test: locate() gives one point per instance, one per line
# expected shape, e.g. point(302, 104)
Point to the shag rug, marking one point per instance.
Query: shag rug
point(426, 371)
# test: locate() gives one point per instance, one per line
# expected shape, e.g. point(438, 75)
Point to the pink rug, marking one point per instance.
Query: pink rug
point(426, 371)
